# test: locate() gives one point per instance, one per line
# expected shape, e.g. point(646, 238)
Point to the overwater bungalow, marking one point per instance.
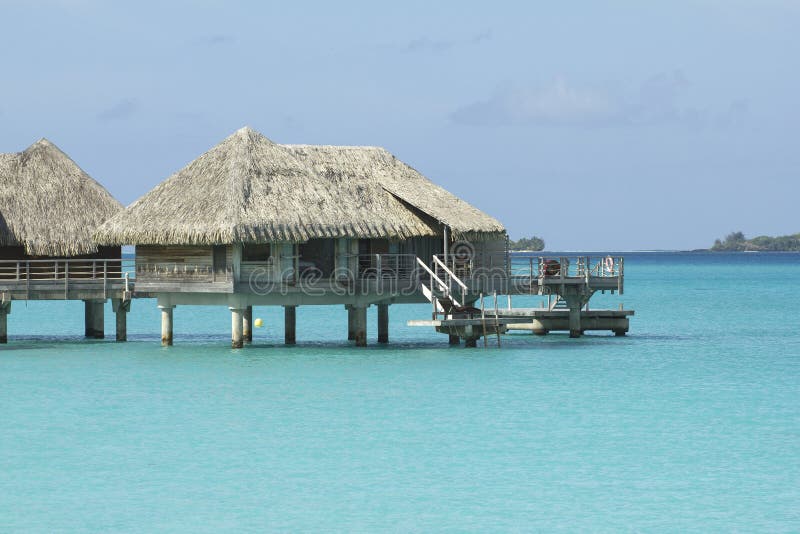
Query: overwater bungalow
point(49, 209)
point(253, 222)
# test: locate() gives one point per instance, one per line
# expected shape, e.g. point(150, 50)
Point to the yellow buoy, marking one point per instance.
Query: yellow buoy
point(258, 323)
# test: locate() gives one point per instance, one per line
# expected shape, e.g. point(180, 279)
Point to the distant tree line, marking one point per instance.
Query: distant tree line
point(527, 243)
point(736, 241)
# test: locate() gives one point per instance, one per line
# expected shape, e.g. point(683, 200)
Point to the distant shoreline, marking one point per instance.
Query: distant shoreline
point(738, 242)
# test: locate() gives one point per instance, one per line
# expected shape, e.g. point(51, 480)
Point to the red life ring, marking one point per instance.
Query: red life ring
point(609, 264)
point(551, 268)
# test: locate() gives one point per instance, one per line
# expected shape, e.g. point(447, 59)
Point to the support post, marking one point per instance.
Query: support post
point(471, 343)
point(290, 325)
point(574, 317)
point(351, 328)
point(247, 324)
point(166, 325)
point(99, 319)
point(454, 340)
point(93, 318)
point(88, 318)
point(121, 307)
point(360, 325)
point(237, 340)
point(383, 323)
point(445, 245)
point(5, 309)
point(122, 325)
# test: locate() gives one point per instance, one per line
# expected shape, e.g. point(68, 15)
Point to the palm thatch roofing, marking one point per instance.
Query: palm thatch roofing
point(48, 204)
point(377, 166)
point(248, 189)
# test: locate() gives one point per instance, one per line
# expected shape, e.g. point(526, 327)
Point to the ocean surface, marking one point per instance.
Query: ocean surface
point(691, 423)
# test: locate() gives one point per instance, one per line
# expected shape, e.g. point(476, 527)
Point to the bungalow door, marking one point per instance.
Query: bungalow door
point(220, 262)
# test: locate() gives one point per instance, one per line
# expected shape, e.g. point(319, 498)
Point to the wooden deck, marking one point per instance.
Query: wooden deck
point(93, 281)
point(384, 279)
point(567, 282)
point(538, 321)
point(70, 279)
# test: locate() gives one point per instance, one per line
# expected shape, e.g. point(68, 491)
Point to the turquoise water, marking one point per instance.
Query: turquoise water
point(690, 423)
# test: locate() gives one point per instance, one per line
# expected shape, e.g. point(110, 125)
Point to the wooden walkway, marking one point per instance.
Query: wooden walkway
point(568, 282)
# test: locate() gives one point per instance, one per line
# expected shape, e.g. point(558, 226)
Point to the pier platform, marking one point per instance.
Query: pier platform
point(539, 321)
point(458, 297)
point(542, 321)
point(465, 295)
point(94, 281)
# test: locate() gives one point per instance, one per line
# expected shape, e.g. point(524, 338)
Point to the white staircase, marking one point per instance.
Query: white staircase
point(558, 304)
point(439, 287)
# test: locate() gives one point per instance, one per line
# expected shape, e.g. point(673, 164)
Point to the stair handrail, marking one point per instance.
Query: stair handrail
point(453, 277)
point(442, 285)
point(437, 307)
point(449, 272)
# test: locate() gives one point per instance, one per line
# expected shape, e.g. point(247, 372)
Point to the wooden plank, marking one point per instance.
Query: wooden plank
point(174, 254)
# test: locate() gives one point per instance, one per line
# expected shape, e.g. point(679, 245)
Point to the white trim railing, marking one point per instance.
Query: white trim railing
point(62, 275)
point(387, 266)
point(43, 270)
point(451, 277)
point(533, 266)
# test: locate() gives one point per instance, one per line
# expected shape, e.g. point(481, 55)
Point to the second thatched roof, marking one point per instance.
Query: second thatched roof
point(248, 189)
point(376, 165)
point(48, 204)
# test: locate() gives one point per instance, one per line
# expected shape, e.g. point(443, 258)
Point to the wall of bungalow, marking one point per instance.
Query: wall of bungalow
point(317, 258)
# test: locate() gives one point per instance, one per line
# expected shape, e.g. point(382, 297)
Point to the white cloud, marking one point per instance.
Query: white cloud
point(554, 103)
point(658, 100)
point(123, 109)
point(558, 102)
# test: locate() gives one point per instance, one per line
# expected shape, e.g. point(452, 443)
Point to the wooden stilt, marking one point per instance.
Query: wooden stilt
point(574, 319)
point(351, 328)
point(247, 324)
point(383, 323)
point(360, 325)
point(121, 308)
point(97, 318)
point(290, 324)
point(122, 325)
point(5, 309)
point(88, 318)
point(237, 339)
point(166, 325)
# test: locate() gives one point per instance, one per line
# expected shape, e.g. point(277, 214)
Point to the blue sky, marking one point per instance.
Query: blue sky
point(597, 125)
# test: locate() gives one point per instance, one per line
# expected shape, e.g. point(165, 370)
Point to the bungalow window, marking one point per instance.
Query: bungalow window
point(256, 253)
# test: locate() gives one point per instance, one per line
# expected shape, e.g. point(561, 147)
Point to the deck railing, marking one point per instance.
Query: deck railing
point(43, 270)
point(65, 275)
point(533, 266)
point(478, 272)
point(575, 267)
point(465, 265)
point(387, 266)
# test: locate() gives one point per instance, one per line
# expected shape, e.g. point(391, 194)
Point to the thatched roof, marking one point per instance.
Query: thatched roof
point(48, 204)
point(248, 189)
point(377, 166)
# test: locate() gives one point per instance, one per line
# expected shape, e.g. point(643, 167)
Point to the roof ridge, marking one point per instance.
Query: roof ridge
point(341, 147)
